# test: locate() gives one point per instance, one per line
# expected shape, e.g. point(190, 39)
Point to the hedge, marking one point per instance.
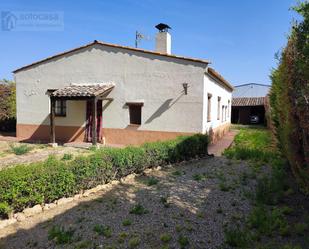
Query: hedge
point(27, 185)
point(289, 99)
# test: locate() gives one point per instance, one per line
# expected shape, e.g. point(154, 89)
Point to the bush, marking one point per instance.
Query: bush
point(7, 106)
point(5, 210)
point(43, 182)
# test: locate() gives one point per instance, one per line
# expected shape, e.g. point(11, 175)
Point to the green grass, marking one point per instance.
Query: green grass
point(165, 237)
point(60, 235)
point(152, 181)
point(134, 242)
point(67, 156)
point(138, 209)
point(106, 231)
point(127, 222)
point(20, 149)
point(183, 241)
point(254, 145)
point(236, 237)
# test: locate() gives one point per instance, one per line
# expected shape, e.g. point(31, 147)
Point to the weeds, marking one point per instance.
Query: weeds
point(20, 149)
point(127, 222)
point(106, 231)
point(138, 209)
point(183, 241)
point(164, 201)
point(300, 228)
point(60, 235)
point(134, 242)
point(237, 237)
point(152, 181)
point(67, 157)
point(122, 237)
point(165, 238)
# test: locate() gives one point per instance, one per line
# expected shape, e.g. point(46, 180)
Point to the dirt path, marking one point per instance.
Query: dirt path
point(184, 206)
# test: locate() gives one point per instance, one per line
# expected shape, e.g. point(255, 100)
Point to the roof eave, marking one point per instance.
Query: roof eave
point(95, 42)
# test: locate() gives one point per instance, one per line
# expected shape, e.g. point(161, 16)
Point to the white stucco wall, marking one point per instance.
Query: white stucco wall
point(211, 86)
point(156, 80)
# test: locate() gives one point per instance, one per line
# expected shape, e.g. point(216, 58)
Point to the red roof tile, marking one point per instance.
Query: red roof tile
point(255, 101)
point(90, 90)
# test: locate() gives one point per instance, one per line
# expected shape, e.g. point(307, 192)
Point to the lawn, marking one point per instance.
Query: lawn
point(280, 214)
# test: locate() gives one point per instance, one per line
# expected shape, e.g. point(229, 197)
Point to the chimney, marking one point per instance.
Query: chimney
point(163, 39)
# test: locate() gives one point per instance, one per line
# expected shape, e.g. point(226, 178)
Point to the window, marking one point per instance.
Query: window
point(209, 108)
point(222, 119)
point(218, 109)
point(225, 113)
point(135, 113)
point(228, 108)
point(61, 108)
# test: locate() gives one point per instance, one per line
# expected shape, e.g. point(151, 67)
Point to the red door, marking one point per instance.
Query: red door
point(88, 135)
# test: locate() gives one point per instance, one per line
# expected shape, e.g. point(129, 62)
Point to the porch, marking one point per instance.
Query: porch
point(93, 94)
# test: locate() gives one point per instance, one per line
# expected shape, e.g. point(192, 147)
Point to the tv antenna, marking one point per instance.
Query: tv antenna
point(138, 37)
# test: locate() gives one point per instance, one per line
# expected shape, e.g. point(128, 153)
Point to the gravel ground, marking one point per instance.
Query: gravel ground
point(38, 153)
point(188, 206)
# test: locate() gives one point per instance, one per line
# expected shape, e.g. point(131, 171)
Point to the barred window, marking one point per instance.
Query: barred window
point(61, 108)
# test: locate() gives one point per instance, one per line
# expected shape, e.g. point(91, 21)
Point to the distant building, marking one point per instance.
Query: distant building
point(248, 103)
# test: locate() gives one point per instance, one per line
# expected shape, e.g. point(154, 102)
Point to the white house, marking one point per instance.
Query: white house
point(137, 95)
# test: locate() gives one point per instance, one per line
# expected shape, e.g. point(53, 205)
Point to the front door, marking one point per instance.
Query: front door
point(88, 133)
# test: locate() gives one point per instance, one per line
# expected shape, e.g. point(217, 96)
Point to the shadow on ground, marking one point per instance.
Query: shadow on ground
point(184, 206)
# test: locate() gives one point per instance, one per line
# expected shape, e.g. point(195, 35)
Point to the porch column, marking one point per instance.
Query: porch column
point(52, 120)
point(94, 121)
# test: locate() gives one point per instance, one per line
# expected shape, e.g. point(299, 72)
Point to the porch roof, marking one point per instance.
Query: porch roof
point(254, 101)
point(82, 91)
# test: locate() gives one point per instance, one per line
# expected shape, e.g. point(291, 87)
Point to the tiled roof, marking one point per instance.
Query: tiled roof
point(248, 101)
point(82, 90)
point(219, 77)
point(114, 46)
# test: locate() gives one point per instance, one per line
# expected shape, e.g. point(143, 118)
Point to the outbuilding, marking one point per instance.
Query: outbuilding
point(249, 103)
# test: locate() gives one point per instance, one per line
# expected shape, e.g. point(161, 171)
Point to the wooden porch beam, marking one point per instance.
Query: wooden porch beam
point(94, 121)
point(52, 120)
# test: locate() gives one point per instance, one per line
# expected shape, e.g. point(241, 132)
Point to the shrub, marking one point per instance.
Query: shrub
point(5, 210)
point(43, 182)
point(20, 149)
point(7, 106)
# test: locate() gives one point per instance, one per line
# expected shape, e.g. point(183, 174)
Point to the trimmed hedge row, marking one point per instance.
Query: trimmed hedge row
point(289, 99)
point(27, 185)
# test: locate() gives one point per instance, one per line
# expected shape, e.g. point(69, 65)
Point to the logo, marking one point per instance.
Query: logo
point(32, 21)
point(8, 20)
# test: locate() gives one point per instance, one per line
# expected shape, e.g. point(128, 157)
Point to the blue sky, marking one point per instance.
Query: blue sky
point(239, 37)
